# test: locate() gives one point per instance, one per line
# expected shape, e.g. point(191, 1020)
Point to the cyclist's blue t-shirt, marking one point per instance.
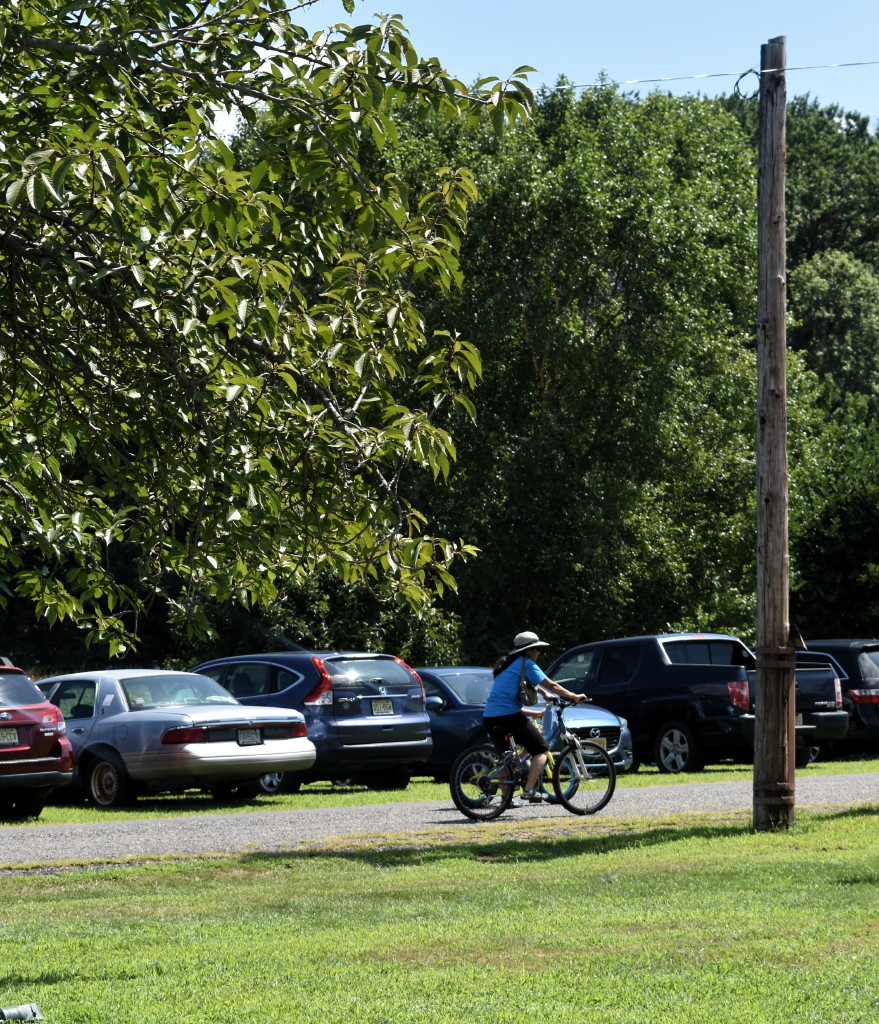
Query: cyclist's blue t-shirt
point(504, 696)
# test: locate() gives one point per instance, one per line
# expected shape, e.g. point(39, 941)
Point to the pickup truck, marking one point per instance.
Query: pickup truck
point(689, 697)
point(857, 664)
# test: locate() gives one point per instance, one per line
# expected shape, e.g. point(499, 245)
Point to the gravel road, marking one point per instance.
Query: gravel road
point(42, 845)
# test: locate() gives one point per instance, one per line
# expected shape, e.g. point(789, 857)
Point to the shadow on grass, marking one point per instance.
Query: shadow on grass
point(403, 850)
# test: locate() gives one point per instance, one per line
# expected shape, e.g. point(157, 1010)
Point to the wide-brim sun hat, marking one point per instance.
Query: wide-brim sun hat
point(524, 641)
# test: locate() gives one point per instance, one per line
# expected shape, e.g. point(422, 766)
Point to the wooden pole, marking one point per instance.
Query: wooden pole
point(774, 771)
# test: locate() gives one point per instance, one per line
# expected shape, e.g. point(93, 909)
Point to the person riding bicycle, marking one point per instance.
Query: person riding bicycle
point(504, 714)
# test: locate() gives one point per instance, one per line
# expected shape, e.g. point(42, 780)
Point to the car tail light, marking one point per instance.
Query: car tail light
point(739, 694)
point(838, 689)
point(414, 675)
point(293, 731)
point(865, 696)
point(322, 694)
point(187, 734)
point(54, 720)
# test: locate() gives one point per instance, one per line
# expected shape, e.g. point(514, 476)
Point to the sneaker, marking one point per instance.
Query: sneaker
point(515, 802)
point(535, 796)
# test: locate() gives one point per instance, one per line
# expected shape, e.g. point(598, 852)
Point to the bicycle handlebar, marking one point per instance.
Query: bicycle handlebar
point(563, 702)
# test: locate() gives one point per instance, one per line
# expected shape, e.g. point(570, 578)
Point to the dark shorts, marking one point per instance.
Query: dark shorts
point(521, 727)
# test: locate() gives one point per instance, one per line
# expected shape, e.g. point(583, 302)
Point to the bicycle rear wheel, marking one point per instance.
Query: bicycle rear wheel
point(477, 790)
point(584, 778)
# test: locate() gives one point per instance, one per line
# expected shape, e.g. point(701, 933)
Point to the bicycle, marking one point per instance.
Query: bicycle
point(484, 780)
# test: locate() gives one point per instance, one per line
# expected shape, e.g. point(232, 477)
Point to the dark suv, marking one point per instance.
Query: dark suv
point(365, 712)
point(35, 753)
point(857, 664)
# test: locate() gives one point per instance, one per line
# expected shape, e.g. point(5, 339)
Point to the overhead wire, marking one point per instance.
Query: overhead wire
point(726, 74)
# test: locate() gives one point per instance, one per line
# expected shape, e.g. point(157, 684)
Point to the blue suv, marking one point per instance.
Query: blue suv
point(364, 712)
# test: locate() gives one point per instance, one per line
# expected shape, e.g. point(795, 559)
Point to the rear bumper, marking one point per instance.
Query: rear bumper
point(815, 726)
point(195, 763)
point(370, 756)
point(36, 780)
point(824, 725)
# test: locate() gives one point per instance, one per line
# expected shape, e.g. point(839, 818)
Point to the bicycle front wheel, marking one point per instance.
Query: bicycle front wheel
point(478, 790)
point(584, 778)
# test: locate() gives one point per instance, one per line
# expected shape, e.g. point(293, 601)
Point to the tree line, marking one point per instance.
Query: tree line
point(404, 363)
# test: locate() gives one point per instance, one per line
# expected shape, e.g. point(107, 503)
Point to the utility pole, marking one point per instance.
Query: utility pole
point(774, 770)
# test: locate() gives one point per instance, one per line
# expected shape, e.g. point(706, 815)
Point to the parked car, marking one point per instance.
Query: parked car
point(456, 697)
point(35, 753)
point(857, 663)
point(364, 711)
point(139, 731)
point(689, 697)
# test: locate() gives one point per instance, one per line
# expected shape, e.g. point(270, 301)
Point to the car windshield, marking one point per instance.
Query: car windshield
point(18, 691)
point(162, 691)
point(469, 687)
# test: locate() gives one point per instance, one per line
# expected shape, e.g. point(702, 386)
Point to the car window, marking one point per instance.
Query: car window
point(215, 672)
point(370, 675)
point(469, 687)
point(572, 673)
point(249, 679)
point(287, 679)
point(76, 698)
point(618, 665)
point(16, 690)
point(868, 663)
point(159, 691)
point(432, 689)
point(707, 652)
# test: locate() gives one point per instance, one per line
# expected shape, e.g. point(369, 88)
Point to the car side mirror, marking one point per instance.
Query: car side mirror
point(436, 704)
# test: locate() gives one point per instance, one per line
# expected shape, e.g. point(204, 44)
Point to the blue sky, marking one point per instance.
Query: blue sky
point(644, 39)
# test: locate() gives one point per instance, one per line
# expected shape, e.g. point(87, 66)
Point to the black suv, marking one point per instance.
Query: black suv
point(857, 664)
point(365, 712)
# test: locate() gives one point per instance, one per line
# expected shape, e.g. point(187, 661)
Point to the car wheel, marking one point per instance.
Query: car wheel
point(804, 756)
point(26, 804)
point(108, 784)
point(677, 749)
point(272, 784)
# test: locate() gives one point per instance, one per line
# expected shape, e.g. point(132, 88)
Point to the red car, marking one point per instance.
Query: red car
point(35, 753)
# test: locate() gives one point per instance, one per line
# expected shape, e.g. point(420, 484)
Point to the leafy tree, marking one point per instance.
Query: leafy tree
point(835, 305)
point(832, 169)
point(833, 255)
point(212, 383)
point(835, 521)
point(610, 275)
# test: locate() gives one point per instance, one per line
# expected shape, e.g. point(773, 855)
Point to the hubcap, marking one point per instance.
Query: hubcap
point(271, 783)
point(674, 750)
point(105, 784)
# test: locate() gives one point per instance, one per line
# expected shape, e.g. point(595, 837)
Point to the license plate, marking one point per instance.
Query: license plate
point(382, 707)
point(8, 737)
point(249, 737)
point(599, 741)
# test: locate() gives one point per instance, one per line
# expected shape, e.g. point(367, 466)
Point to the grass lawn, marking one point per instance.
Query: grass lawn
point(641, 921)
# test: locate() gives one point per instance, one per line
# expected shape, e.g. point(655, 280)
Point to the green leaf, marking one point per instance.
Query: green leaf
point(16, 192)
point(36, 192)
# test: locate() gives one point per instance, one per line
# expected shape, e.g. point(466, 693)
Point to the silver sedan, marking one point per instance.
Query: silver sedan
point(148, 731)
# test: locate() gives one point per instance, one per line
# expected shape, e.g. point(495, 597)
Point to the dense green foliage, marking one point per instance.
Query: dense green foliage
point(609, 288)
point(211, 385)
point(235, 370)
